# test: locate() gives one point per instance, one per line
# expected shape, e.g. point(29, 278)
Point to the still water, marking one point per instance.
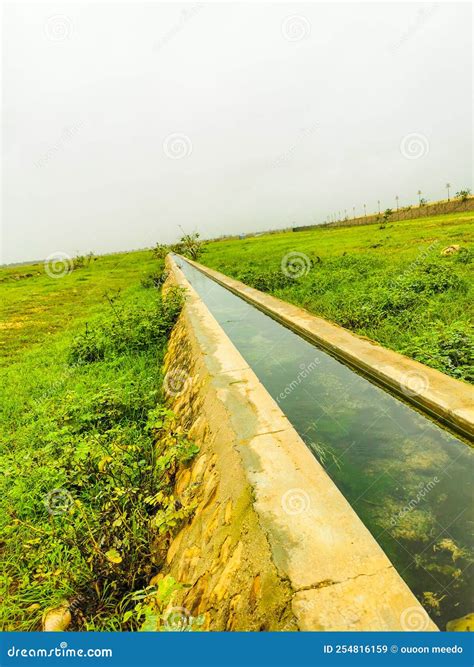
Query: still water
point(408, 479)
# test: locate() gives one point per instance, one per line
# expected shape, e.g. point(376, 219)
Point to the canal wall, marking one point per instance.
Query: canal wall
point(272, 544)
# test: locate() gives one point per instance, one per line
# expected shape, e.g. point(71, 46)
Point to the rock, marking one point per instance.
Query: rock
point(174, 546)
point(255, 591)
point(225, 549)
point(228, 512)
point(463, 624)
point(228, 573)
point(211, 525)
point(57, 619)
point(183, 480)
point(450, 250)
point(198, 468)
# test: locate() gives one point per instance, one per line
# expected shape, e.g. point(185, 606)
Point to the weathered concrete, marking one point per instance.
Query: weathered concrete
point(273, 544)
point(443, 397)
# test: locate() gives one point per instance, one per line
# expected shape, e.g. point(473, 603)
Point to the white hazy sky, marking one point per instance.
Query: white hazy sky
point(124, 120)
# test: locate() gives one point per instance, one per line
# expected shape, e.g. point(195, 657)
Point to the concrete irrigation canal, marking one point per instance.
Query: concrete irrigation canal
point(368, 525)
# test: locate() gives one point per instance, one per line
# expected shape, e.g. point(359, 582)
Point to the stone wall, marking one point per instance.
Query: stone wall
point(222, 554)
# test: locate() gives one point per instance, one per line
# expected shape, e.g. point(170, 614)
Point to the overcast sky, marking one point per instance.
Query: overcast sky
point(123, 121)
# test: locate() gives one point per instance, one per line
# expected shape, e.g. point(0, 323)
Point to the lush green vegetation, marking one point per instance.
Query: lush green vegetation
point(88, 449)
point(389, 282)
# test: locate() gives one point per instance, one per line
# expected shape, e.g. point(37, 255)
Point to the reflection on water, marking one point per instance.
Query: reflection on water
point(409, 480)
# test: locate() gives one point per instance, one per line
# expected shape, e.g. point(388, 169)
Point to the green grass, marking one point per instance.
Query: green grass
point(387, 282)
point(88, 449)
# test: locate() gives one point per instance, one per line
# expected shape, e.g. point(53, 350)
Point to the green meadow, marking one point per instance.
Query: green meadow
point(389, 282)
point(88, 450)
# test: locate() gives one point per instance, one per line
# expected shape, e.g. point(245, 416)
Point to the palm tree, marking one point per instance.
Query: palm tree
point(354, 212)
point(365, 211)
point(419, 193)
point(397, 201)
point(378, 202)
point(448, 185)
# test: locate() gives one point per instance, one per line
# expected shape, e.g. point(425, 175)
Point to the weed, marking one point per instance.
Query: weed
point(90, 455)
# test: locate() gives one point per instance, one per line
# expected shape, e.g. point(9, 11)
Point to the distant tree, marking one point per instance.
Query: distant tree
point(387, 213)
point(189, 245)
point(463, 194)
point(448, 186)
point(423, 201)
point(160, 251)
point(419, 193)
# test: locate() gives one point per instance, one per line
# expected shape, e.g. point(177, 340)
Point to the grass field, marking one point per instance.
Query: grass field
point(88, 449)
point(388, 282)
point(85, 443)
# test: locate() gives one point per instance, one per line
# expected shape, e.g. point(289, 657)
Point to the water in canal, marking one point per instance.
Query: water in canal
point(409, 480)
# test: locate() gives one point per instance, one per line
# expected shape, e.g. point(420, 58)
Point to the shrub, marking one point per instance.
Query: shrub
point(127, 330)
point(154, 279)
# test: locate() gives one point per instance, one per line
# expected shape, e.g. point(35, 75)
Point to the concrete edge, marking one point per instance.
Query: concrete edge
point(341, 578)
point(446, 399)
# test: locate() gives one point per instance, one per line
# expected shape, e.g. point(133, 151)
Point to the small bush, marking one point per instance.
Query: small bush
point(154, 279)
point(266, 281)
point(127, 330)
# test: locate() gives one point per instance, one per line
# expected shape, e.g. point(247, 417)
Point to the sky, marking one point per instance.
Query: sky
point(124, 123)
